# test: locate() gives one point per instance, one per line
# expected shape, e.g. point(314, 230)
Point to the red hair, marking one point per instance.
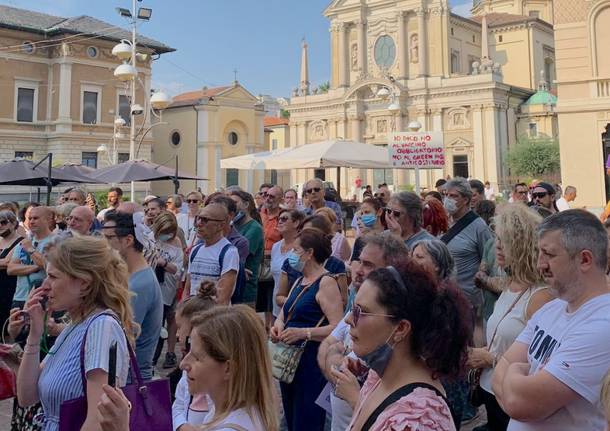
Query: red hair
point(435, 218)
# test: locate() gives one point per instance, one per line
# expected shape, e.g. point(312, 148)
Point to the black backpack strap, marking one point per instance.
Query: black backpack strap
point(395, 396)
point(459, 226)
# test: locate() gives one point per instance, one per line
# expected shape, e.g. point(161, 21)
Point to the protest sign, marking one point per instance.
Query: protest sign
point(423, 150)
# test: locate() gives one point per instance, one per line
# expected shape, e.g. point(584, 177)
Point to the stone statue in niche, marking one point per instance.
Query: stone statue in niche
point(354, 56)
point(382, 126)
point(458, 119)
point(65, 49)
point(414, 51)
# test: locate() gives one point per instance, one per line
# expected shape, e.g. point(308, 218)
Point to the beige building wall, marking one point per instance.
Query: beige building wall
point(541, 8)
point(583, 78)
point(204, 124)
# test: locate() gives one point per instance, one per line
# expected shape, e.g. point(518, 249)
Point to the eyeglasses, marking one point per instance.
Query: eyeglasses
point(357, 313)
point(193, 201)
point(539, 195)
point(269, 195)
point(312, 190)
point(3, 222)
point(283, 219)
point(393, 212)
point(204, 219)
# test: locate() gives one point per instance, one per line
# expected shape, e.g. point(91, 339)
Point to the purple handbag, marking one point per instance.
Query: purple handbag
point(151, 407)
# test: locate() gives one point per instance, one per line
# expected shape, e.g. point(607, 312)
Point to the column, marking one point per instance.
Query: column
point(360, 24)
point(217, 171)
point(201, 167)
point(293, 134)
point(250, 172)
point(476, 167)
point(437, 125)
point(65, 86)
point(355, 127)
point(423, 116)
point(343, 55)
point(422, 42)
point(403, 48)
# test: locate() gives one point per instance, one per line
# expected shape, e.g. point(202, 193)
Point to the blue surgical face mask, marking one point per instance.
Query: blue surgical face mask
point(240, 215)
point(165, 237)
point(295, 261)
point(369, 220)
point(379, 358)
point(450, 205)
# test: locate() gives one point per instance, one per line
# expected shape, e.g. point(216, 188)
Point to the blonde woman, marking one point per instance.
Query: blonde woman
point(523, 294)
point(229, 361)
point(85, 278)
point(168, 271)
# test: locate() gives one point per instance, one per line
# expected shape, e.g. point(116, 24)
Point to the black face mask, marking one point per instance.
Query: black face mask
point(62, 225)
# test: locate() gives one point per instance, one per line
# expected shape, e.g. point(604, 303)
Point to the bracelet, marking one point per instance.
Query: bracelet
point(308, 334)
point(31, 352)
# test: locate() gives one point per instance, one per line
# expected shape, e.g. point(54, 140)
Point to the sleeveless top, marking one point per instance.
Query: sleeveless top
point(307, 312)
point(510, 327)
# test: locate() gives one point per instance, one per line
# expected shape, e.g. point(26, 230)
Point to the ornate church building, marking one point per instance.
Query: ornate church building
point(483, 81)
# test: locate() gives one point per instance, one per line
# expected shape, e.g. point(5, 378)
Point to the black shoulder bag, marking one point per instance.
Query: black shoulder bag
point(459, 226)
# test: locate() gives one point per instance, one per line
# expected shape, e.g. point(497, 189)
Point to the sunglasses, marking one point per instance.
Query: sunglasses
point(539, 195)
point(379, 195)
point(4, 222)
point(283, 219)
point(312, 190)
point(204, 219)
point(395, 213)
point(193, 201)
point(357, 313)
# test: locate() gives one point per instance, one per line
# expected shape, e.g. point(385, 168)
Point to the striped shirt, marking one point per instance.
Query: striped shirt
point(60, 378)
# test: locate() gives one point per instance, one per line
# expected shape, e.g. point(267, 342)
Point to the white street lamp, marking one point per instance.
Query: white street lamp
point(122, 50)
point(414, 126)
point(383, 92)
point(160, 100)
point(125, 72)
point(394, 107)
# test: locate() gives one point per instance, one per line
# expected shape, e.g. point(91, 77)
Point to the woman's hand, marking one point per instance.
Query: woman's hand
point(346, 385)
point(34, 309)
point(292, 335)
point(113, 410)
point(276, 330)
point(16, 320)
point(393, 225)
point(480, 357)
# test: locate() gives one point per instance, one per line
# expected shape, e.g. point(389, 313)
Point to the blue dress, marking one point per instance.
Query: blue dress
point(298, 397)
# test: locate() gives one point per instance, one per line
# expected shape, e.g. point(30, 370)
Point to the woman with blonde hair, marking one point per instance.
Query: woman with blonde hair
point(230, 362)
point(523, 294)
point(88, 280)
point(341, 248)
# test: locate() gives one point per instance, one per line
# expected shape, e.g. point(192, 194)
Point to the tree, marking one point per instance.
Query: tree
point(534, 157)
point(284, 113)
point(323, 88)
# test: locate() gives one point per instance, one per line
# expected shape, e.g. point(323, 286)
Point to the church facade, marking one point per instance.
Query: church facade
point(467, 77)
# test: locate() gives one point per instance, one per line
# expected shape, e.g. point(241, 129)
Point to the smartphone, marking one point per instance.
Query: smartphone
point(112, 365)
point(43, 302)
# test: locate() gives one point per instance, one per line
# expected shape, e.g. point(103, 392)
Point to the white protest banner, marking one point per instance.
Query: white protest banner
point(423, 150)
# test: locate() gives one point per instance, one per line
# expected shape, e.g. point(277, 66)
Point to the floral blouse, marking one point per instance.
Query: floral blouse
point(421, 410)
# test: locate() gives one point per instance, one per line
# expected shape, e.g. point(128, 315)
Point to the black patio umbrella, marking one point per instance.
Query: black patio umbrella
point(76, 170)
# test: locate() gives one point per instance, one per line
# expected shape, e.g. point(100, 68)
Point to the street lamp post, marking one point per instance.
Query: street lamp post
point(128, 72)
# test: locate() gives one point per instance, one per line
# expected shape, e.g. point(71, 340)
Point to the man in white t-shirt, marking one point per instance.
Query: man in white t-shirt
point(550, 378)
point(380, 250)
point(569, 195)
point(205, 259)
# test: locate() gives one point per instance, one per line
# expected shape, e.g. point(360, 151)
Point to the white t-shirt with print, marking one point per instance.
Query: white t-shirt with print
point(574, 348)
point(204, 263)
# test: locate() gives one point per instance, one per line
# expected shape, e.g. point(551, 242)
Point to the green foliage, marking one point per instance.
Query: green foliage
point(323, 88)
point(534, 157)
point(284, 113)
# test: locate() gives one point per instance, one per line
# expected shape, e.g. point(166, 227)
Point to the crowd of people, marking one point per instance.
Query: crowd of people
point(272, 316)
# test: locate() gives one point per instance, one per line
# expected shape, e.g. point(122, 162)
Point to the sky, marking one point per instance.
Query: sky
point(259, 38)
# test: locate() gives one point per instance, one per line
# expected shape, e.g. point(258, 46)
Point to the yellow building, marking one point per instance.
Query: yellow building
point(466, 77)
point(582, 34)
point(58, 91)
point(204, 127)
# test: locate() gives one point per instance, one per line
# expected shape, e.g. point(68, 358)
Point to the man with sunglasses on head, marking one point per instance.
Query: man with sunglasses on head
point(543, 195)
point(314, 190)
point(403, 215)
point(214, 258)
point(380, 250)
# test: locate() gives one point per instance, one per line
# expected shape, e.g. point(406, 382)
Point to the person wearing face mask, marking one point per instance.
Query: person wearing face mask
point(370, 220)
point(409, 332)
point(9, 238)
point(168, 271)
point(312, 310)
point(252, 230)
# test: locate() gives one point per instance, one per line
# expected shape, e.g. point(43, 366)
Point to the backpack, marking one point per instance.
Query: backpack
point(240, 281)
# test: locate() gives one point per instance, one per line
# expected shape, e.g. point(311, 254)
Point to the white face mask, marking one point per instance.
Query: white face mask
point(450, 205)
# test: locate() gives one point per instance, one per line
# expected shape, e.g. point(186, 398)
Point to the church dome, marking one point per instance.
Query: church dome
point(542, 97)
